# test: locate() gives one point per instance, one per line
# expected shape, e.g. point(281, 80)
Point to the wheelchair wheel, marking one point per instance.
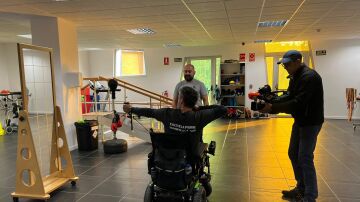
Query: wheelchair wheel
point(148, 197)
point(200, 195)
point(208, 188)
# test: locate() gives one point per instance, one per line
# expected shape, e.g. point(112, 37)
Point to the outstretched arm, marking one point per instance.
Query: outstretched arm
point(158, 114)
point(210, 113)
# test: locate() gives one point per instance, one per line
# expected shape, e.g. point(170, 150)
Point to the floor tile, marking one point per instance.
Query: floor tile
point(84, 184)
point(101, 171)
point(345, 189)
point(266, 172)
point(268, 184)
point(98, 198)
point(120, 188)
point(257, 196)
point(252, 164)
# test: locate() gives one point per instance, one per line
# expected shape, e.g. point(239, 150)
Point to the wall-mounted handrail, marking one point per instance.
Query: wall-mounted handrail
point(136, 89)
point(150, 92)
point(155, 100)
point(82, 88)
point(139, 90)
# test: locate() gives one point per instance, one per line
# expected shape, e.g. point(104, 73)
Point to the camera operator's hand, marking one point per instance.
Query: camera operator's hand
point(127, 107)
point(267, 108)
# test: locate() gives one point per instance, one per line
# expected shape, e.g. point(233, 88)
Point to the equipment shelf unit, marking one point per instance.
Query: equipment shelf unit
point(36, 186)
point(232, 85)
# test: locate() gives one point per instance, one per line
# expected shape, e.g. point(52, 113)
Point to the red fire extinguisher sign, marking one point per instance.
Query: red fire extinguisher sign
point(166, 60)
point(251, 57)
point(242, 57)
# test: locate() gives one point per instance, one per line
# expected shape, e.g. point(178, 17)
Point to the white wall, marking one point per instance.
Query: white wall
point(101, 62)
point(339, 69)
point(12, 63)
point(161, 77)
point(61, 36)
point(69, 65)
point(4, 81)
point(84, 65)
point(9, 67)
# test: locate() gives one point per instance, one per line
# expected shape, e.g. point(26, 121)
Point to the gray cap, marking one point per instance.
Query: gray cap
point(289, 56)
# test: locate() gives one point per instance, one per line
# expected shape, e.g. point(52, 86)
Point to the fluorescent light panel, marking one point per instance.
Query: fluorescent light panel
point(28, 36)
point(141, 31)
point(278, 23)
point(172, 45)
point(90, 49)
point(263, 41)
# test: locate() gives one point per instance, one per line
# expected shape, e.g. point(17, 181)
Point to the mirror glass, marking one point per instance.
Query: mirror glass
point(40, 106)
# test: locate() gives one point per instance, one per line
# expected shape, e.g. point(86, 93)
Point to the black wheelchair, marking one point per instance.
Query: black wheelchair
point(179, 167)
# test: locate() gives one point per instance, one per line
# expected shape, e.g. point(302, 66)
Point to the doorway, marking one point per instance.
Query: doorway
point(207, 71)
point(277, 75)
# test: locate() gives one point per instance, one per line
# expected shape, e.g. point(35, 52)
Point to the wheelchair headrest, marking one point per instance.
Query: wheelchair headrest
point(186, 141)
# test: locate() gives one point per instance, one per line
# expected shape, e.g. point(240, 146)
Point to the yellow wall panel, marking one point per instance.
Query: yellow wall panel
point(277, 47)
point(270, 70)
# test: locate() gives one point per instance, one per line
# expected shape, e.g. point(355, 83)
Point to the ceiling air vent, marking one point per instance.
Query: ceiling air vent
point(141, 31)
point(278, 23)
point(172, 45)
point(263, 41)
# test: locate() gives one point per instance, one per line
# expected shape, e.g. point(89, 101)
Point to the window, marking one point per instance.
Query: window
point(129, 63)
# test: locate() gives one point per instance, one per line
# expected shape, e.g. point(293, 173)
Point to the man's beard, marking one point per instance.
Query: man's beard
point(188, 77)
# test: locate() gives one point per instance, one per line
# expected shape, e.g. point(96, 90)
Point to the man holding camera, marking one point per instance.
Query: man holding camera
point(304, 100)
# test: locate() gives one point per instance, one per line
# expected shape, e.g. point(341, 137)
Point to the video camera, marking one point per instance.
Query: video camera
point(264, 95)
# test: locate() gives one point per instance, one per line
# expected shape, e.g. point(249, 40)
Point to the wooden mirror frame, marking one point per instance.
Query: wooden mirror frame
point(38, 186)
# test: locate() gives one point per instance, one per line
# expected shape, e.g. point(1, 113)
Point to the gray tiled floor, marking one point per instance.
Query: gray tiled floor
point(251, 164)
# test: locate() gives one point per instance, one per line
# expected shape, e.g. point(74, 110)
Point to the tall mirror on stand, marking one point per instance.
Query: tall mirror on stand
point(43, 158)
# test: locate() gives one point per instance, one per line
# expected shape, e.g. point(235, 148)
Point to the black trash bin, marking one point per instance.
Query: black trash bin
point(87, 135)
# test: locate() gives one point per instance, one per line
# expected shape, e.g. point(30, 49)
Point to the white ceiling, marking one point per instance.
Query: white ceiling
point(103, 23)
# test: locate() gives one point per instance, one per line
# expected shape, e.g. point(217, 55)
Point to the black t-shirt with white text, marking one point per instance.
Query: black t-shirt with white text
point(188, 122)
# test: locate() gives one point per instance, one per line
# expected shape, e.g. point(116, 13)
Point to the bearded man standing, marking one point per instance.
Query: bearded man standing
point(198, 86)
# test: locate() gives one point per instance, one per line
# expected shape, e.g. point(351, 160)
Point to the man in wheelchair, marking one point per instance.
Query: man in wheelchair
point(179, 157)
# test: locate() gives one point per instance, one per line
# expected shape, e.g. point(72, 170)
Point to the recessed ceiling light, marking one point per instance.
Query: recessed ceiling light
point(278, 23)
point(28, 36)
point(141, 31)
point(60, 0)
point(263, 41)
point(172, 45)
point(91, 49)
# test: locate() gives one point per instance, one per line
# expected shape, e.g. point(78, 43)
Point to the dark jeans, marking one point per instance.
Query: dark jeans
point(301, 153)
